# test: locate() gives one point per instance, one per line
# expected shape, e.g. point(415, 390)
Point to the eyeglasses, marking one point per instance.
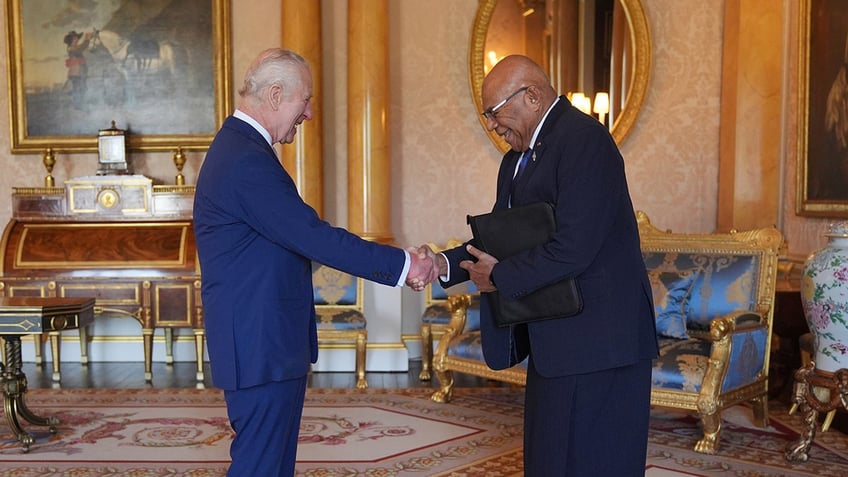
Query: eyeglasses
point(493, 111)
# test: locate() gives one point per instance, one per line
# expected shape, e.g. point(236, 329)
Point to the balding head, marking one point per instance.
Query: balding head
point(516, 95)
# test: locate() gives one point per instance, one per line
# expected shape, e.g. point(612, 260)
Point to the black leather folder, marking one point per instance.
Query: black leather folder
point(504, 233)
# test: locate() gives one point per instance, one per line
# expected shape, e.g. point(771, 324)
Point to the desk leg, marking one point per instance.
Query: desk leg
point(147, 336)
point(14, 391)
point(83, 337)
point(56, 351)
point(169, 345)
point(199, 336)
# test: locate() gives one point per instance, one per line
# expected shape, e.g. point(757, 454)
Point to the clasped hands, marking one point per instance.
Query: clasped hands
point(427, 266)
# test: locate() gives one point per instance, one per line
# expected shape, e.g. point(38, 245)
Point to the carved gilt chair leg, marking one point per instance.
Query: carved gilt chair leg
point(361, 348)
point(712, 428)
point(445, 392)
point(426, 352)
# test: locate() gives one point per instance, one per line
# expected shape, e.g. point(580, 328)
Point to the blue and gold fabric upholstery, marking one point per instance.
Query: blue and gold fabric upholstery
point(336, 297)
point(468, 346)
point(671, 292)
point(682, 363)
point(690, 290)
point(725, 282)
point(436, 311)
point(339, 313)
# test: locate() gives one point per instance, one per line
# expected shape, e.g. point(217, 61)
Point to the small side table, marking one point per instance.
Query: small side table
point(21, 316)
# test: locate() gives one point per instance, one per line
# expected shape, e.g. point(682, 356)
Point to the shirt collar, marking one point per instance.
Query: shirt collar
point(249, 120)
point(539, 127)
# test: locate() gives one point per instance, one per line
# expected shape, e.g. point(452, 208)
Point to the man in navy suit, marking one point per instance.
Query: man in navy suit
point(256, 240)
point(587, 401)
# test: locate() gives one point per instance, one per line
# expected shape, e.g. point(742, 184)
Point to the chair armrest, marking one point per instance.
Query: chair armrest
point(736, 333)
point(739, 320)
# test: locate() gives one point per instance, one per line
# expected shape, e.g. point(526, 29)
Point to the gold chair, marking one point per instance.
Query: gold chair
point(461, 350)
point(339, 312)
point(714, 300)
point(721, 288)
point(437, 314)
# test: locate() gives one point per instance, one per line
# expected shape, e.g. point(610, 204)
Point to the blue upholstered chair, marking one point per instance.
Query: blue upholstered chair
point(714, 303)
point(339, 310)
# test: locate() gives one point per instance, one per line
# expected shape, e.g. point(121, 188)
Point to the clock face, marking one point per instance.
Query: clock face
point(108, 198)
point(111, 149)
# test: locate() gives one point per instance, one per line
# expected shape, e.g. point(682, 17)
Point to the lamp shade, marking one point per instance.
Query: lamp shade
point(601, 103)
point(581, 102)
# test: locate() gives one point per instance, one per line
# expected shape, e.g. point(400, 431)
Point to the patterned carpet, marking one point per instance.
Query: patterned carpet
point(379, 433)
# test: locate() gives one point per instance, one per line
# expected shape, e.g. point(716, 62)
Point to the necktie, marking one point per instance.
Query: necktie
point(522, 163)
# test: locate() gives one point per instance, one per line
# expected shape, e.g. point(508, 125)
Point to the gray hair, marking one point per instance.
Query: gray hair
point(274, 66)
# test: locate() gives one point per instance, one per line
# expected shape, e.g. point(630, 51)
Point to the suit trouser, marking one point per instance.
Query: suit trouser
point(266, 420)
point(587, 425)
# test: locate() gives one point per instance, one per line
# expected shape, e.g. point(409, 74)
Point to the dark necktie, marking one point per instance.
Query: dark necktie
point(522, 163)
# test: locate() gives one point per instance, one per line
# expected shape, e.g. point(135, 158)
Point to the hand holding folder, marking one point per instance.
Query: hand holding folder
point(504, 233)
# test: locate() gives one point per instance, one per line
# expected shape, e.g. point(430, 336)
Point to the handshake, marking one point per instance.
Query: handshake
point(426, 266)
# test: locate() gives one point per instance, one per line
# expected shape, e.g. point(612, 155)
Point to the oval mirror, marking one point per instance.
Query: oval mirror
point(586, 46)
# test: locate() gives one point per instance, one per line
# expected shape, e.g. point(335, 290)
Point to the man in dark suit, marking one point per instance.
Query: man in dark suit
point(256, 240)
point(587, 401)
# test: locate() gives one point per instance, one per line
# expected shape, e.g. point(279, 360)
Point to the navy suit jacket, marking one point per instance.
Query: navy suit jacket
point(577, 167)
point(256, 240)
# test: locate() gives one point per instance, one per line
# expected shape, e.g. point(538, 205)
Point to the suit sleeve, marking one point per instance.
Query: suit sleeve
point(271, 205)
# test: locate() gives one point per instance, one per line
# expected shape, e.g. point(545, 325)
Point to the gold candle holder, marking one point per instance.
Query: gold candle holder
point(49, 160)
point(179, 161)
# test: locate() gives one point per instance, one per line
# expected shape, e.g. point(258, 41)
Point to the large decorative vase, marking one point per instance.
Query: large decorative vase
point(824, 293)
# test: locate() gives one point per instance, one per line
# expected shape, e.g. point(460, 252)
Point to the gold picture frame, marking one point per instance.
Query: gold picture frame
point(822, 169)
point(160, 70)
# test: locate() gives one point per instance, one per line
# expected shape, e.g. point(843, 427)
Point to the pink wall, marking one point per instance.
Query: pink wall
point(443, 163)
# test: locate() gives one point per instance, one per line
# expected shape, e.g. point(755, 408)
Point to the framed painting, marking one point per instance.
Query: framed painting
point(822, 180)
point(160, 69)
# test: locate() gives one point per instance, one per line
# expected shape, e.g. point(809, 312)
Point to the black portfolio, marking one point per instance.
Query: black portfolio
point(503, 233)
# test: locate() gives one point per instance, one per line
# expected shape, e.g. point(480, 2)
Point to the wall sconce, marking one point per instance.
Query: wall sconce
point(581, 102)
point(492, 59)
point(602, 106)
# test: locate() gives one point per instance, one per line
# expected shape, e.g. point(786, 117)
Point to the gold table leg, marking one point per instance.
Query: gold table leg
point(14, 390)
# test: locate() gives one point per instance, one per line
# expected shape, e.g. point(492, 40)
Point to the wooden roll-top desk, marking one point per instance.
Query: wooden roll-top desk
point(118, 239)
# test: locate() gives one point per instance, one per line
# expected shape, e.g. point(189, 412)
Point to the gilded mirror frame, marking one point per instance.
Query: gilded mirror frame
point(641, 41)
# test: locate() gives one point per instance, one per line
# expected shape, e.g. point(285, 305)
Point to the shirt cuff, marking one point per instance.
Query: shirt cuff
point(406, 264)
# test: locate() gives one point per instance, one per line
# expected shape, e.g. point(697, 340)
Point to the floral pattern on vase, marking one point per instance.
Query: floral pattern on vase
point(824, 294)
